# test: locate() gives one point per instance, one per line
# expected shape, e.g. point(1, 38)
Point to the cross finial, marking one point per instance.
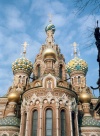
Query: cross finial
point(50, 18)
point(24, 48)
point(75, 52)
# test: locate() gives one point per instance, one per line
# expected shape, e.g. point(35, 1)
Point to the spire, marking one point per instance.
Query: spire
point(75, 49)
point(24, 48)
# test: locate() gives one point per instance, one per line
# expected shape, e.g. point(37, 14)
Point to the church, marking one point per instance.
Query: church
point(49, 97)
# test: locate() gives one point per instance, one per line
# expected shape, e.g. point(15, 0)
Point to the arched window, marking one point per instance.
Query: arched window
point(48, 122)
point(63, 123)
point(38, 70)
point(79, 79)
point(34, 123)
point(73, 122)
point(60, 71)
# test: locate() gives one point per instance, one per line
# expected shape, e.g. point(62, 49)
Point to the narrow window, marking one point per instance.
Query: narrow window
point(60, 71)
point(48, 122)
point(63, 123)
point(73, 123)
point(38, 70)
point(34, 123)
point(79, 79)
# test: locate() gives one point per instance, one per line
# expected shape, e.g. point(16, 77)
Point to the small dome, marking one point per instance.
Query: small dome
point(88, 121)
point(22, 65)
point(50, 27)
point(84, 97)
point(10, 121)
point(77, 64)
point(14, 96)
point(49, 53)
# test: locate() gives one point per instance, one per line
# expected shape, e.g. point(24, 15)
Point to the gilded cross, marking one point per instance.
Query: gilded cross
point(50, 18)
point(75, 49)
point(24, 48)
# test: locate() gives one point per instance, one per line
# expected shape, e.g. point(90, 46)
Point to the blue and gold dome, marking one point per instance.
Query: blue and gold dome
point(22, 65)
point(77, 64)
point(50, 27)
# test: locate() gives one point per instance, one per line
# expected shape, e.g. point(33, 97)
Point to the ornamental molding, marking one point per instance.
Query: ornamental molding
point(49, 98)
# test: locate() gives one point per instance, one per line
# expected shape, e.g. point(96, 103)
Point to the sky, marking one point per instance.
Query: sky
point(25, 20)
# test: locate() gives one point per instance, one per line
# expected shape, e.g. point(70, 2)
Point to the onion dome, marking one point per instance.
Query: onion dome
point(22, 65)
point(76, 64)
point(89, 121)
point(49, 53)
point(50, 27)
point(84, 97)
point(14, 96)
point(10, 121)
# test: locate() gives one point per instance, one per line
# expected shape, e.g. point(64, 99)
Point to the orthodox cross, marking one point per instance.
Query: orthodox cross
point(24, 48)
point(75, 49)
point(50, 18)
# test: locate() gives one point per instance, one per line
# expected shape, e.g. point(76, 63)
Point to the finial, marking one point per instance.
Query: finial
point(50, 18)
point(24, 48)
point(75, 51)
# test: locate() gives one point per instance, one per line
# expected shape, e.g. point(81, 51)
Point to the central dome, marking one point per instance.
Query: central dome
point(49, 53)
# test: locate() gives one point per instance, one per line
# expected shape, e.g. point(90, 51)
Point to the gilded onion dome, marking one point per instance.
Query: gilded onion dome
point(22, 64)
point(84, 97)
point(76, 64)
point(49, 53)
point(14, 96)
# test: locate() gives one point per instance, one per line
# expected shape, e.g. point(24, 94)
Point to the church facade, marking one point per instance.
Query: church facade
point(51, 103)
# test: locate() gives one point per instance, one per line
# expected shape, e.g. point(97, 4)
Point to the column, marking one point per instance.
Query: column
point(40, 119)
point(22, 124)
point(27, 122)
point(70, 116)
point(57, 118)
point(77, 129)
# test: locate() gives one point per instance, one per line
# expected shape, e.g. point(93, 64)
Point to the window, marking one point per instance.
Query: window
point(4, 135)
point(73, 123)
point(63, 123)
point(34, 123)
point(60, 71)
point(38, 70)
point(48, 122)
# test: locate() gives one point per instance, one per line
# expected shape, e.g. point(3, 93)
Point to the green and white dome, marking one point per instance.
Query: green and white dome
point(50, 27)
point(77, 64)
point(22, 65)
point(89, 121)
point(10, 121)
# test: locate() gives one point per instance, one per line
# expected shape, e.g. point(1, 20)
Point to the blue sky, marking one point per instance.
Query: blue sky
point(25, 20)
